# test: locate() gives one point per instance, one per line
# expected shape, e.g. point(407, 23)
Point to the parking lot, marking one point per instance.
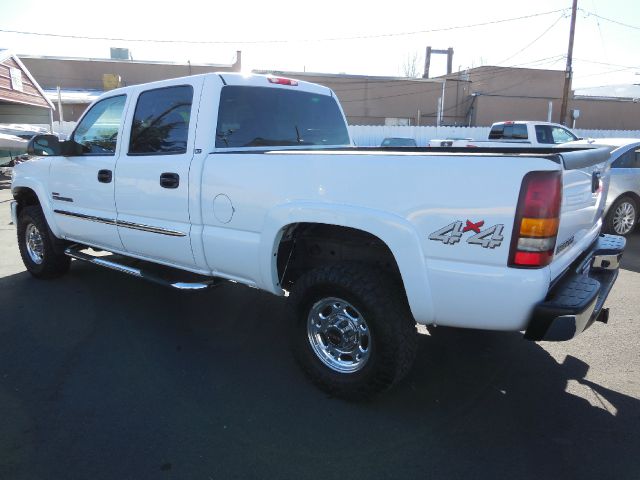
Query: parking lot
point(106, 377)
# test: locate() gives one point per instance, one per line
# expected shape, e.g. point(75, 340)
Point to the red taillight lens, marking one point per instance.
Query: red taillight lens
point(543, 195)
point(283, 81)
point(537, 220)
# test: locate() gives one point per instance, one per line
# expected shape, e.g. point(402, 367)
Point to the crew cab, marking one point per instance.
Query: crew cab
point(193, 181)
point(516, 134)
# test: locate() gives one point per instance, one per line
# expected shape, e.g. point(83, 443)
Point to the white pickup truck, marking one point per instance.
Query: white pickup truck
point(254, 179)
point(515, 134)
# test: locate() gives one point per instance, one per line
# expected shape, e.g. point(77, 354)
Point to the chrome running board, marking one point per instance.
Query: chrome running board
point(75, 252)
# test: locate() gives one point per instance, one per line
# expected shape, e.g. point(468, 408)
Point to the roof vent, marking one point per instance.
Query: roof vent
point(120, 54)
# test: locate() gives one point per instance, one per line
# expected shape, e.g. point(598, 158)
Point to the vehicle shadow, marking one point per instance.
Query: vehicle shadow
point(631, 256)
point(5, 182)
point(103, 376)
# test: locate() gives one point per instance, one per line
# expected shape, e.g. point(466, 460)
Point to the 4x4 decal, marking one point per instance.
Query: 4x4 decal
point(451, 234)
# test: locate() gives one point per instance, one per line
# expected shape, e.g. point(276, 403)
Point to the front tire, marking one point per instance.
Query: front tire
point(353, 333)
point(622, 217)
point(40, 251)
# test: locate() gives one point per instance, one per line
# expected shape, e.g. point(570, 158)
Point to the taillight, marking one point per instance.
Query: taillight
point(283, 81)
point(537, 220)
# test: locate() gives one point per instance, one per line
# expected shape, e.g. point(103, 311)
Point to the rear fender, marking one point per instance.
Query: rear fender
point(398, 234)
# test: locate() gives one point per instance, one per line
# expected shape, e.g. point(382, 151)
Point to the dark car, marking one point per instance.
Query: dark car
point(398, 142)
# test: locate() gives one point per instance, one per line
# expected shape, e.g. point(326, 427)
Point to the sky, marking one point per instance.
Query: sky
point(317, 36)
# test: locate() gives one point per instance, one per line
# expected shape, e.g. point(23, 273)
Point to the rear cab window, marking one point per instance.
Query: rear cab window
point(264, 116)
point(509, 131)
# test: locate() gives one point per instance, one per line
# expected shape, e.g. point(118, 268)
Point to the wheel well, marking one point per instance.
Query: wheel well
point(25, 197)
point(305, 246)
point(633, 195)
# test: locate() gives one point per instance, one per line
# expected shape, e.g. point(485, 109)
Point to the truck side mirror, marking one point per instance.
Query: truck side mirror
point(41, 145)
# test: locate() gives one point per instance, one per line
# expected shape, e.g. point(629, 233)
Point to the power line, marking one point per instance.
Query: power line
point(607, 64)
point(606, 72)
point(252, 42)
point(617, 22)
point(535, 40)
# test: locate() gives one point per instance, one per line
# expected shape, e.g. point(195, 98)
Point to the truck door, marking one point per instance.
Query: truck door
point(81, 185)
point(152, 175)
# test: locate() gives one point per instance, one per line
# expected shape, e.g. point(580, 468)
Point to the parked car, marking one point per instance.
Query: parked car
point(623, 199)
point(254, 179)
point(516, 134)
point(398, 142)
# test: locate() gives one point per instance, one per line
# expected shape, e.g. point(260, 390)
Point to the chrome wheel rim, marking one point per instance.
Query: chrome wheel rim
point(624, 218)
point(35, 247)
point(339, 335)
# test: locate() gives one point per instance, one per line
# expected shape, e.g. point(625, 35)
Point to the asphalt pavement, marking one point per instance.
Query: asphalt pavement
point(103, 376)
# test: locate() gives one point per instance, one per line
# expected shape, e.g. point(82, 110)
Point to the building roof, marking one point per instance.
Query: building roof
point(629, 91)
point(5, 54)
point(119, 60)
point(343, 75)
point(73, 95)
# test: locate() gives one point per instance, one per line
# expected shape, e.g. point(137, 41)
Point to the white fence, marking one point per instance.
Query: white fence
point(372, 135)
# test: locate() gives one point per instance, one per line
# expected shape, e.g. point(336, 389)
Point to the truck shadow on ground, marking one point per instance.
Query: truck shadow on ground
point(107, 377)
point(631, 256)
point(5, 182)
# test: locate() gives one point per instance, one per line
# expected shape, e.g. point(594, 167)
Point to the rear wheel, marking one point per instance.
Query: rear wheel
point(353, 333)
point(40, 251)
point(622, 216)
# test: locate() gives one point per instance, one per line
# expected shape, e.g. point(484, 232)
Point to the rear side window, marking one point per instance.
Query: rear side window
point(161, 121)
point(516, 131)
point(629, 159)
point(262, 116)
point(497, 132)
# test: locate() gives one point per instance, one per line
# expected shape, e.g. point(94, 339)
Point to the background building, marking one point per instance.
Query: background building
point(82, 80)
point(22, 100)
point(475, 97)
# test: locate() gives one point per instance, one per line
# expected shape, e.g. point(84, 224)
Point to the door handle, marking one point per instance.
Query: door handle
point(595, 182)
point(105, 176)
point(169, 180)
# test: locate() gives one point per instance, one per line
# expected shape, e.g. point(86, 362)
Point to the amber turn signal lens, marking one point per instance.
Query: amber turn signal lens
point(539, 227)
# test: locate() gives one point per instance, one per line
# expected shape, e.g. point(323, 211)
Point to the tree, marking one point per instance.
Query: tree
point(411, 66)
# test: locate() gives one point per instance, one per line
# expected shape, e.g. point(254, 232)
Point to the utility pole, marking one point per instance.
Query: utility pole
point(568, 74)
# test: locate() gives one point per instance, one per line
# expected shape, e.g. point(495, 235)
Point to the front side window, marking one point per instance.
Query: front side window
point(161, 121)
point(561, 135)
point(97, 132)
point(262, 116)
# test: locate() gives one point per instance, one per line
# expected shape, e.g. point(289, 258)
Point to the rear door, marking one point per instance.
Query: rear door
point(81, 186)
point(151, 178)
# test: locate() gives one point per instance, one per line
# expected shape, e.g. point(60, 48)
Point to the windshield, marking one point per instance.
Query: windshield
point(263, 116)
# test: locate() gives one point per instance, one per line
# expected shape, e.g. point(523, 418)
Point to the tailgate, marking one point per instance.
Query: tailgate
point(585, 182)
